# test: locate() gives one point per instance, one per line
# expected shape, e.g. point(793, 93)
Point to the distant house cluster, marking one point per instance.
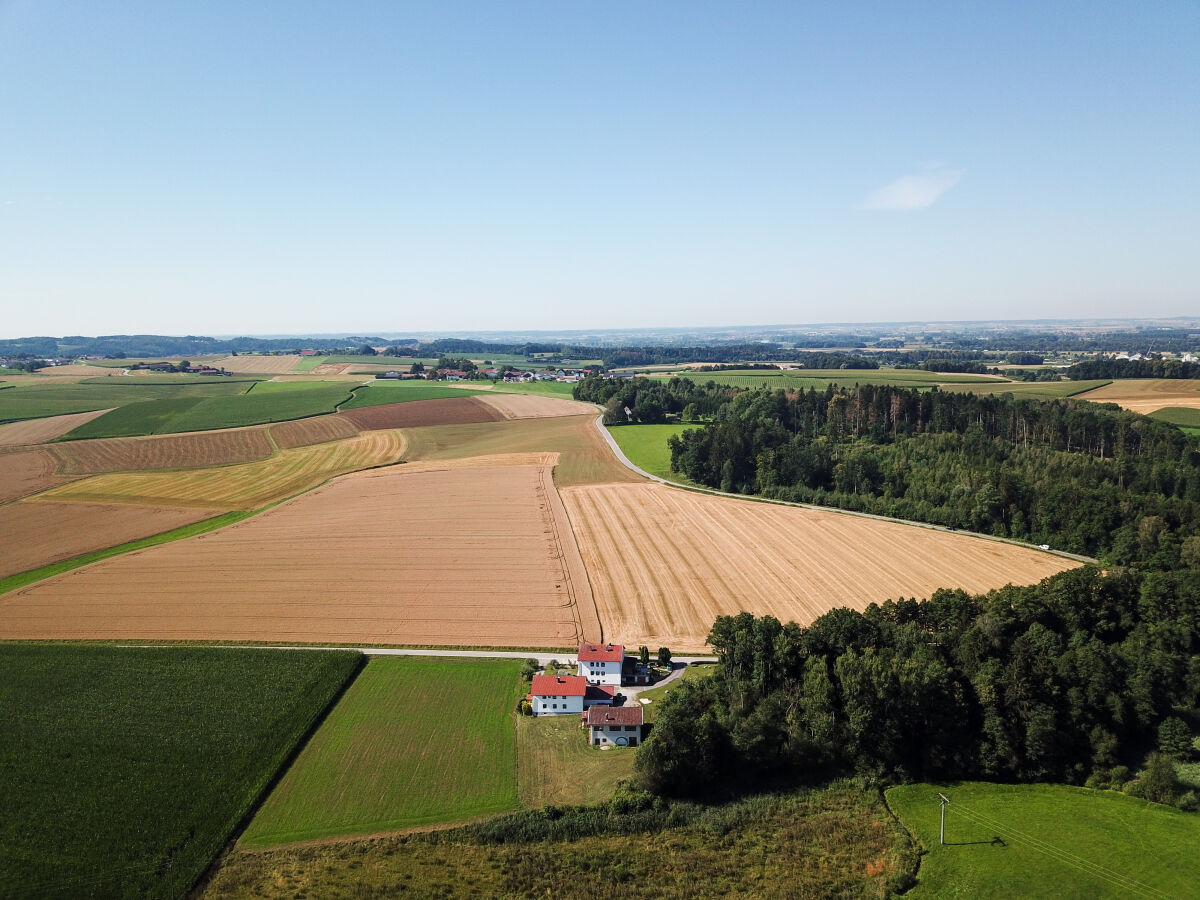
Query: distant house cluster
point(592, 695)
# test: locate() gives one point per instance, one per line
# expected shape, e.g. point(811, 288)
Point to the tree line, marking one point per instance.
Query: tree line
point(1069, 680)
point(1133, 368)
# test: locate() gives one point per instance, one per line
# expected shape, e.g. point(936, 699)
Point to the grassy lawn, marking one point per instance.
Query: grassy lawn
point(543, 388)
point(1055, 841)
point(646, 447)
point(123, 771)
point(1178, 415)
point(556, 765)
point(818, 379)
point(1033, 390)
point(830, 842)
point(655, 695)
point(415, 741)
point(381, 392)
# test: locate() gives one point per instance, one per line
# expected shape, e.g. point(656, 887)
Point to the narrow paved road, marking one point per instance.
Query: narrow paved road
point(620, 454)
point(540, 655)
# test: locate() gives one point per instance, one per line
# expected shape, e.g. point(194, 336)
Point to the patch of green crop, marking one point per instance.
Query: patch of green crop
point(35, 401)
point(384, 391)
point(1178, 415)
point(414, 741)
point(1045, 840)
point(123, 771)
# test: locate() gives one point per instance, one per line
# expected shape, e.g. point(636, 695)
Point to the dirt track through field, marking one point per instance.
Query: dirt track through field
point(459, 556)
point(665, 562)
point(192, 450)
point(55, 531)
point(1146, 395)
point(38, 431)
point(245, 486)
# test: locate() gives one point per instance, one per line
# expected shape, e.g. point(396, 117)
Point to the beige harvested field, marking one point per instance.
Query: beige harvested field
point(245, 486)
point(38, 431)
point(664, 562)
point(82, 370)
point(457, 556)
point(25, 472)
point(190, 450)
point(57, 531)
point(257, 365)
point(419, 413)
point(533, 406)
point(1145, 395)
point(332, 369)
point(584, 456)
point(313, 430)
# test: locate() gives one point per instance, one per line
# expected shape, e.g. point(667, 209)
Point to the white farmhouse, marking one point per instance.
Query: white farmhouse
point(619, 726)
point(601, 663)
point(558, 695)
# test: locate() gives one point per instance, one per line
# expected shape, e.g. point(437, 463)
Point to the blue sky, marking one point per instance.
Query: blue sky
point(303, 167)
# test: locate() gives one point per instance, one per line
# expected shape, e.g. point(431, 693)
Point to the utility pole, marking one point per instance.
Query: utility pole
point(945, 801)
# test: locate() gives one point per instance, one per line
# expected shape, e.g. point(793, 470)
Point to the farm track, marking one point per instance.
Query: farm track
point(665, 562)
point(460, 555)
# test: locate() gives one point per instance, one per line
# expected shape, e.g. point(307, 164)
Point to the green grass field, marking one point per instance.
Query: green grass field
point(545, 388)
point(34, 401)
point(1049, 841)
point(1178, 415)
point(380, 392)
point(415, 741)
point(123, 771)
point(819, 379)
point(646, 447)
point(1033, 390)
point(262, 401)
point(556, 765)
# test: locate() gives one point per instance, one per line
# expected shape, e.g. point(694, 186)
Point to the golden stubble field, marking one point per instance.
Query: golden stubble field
point(665, 562)
point(443, 553)
point(1146, 395)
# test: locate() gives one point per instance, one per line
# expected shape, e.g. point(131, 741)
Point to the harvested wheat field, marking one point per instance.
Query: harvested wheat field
point(257, 365)
point(584, 456)
point(533, 406)
point(419, 413)
point(313, 430)
point(664, 563)
point(1145, 395)
point(38, 431)
point(460, 556)
point(83, 370)
point(25, 472)
point(57, 531)
point(245, 486)
point(192, 450)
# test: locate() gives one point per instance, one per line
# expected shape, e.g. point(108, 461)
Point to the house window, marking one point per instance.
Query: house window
point(631, 728)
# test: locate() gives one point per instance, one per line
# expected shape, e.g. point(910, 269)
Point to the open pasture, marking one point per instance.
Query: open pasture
point(413, 742)
point(1048, 841)
point(173, 451)
point(266, 401)
point(378, 393)
point(463, 556)
point(245, 486)
point(646, 447)
point(1184, 417)
point(1146, 395)
point(257, 365)
point(25, 472)
point(556, 765)
point(49, 397)
point(584, 456)
point(1033, 390)
point(123, 771)
point(665, 562)
point(457, 410)
point(38, 431)
point(819, 379)
point(50, 532)
point(533, 406)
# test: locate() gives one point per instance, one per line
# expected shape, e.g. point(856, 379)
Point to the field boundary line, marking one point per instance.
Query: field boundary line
point(624, 460)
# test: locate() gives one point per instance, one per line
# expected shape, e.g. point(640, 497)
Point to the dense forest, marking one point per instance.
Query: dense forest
point(1133, 368)
point(1081, 477)
point(1070, 680)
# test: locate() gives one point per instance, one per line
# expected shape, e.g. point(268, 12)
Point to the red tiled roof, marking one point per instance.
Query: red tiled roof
point(600, 692)
point(559, 686)
point(614, 715)
point(601, 652)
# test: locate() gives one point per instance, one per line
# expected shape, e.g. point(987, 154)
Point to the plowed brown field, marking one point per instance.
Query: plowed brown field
point(314, 430)
point(1145, 395)
point(257, 365)
point(175, 451)
point(24, 472)
point(245, 486)
point(461, 556)
point(419, 413)
point(37, 431)
point(532, 406)
point(664, 562)
point(54, 531)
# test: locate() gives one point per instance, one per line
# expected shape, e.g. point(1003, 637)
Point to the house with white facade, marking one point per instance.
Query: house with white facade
point(558, 695)
point(619, 726)
point(601, 663)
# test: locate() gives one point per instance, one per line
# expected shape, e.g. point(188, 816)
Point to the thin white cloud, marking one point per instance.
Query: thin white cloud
point(913, 191)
